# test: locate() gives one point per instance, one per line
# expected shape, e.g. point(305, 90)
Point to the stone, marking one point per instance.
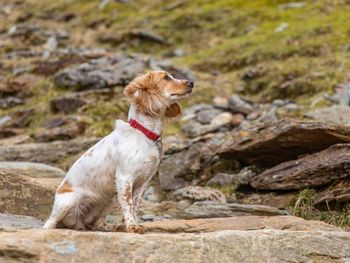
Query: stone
point(314, 170)
point(135, 35)
point(66, 104)
point(241, 223)
point(189, 166)
point(36, 170)
point(167, 65)
point(190, 112)
point(198, 193)
point(221, 246)
point(206, 116)
point(17, 119)
point(221, 103)
point(239, 105)
point(275, 142)
point(54, 122)
point(194, 129)
point(20, 195)
point(210, 209)
point(22, 138)
point(10, 101)
point(273, 199)
point(22, 85)
point(236, 180)
point(101, 73)
point(237, 119)
point(48, 153)
point(173, 144)
point(62, 133)
point(338, 192)
point(12, 223)
point(337, 114)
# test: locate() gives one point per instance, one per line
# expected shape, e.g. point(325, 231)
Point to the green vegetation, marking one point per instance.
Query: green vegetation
point(303, 205)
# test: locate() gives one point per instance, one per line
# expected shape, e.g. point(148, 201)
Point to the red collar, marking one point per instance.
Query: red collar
point(150, 135)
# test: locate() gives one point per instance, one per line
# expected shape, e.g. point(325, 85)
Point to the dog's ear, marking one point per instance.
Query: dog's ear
point(143, 92)
point(173, 110)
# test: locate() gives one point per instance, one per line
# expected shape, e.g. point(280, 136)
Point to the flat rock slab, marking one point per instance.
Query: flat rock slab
point(48, 153)
point(208, 209)
point(36, 170)
point(315, 170)
point(223, 246)
point(339, 192)
point(238, 223)
point(101, 73)
point(273, 143)
point(20, 195)
point(10, 223)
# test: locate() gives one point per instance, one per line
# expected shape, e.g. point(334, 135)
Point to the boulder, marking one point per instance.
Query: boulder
point(209, 209)
point(278, 200)
point(223, 246)
point(239, 105)
point(275, 142)
point(236, 180)
point(48, 153)
point(338, 114)
point(20, 195)
point(338, 192)
point(66, 104)
point(63, 133)
point(198, 193)
point(243, 223)
point(314, 170)
point(101, 73)
point(36, 170)
point(11, 223)
point(205, 116)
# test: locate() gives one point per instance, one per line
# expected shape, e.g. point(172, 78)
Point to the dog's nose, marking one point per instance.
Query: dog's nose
point(190, 83)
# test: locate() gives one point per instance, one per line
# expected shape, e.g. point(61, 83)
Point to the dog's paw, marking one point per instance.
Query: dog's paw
point(135, 229)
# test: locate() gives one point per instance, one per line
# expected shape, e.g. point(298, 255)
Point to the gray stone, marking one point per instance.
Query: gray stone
point(31, 169)
point(239, 105)
point(206, 116)
point(9, 222)
point(198, 193)
point(338, 114)
point(101, 73)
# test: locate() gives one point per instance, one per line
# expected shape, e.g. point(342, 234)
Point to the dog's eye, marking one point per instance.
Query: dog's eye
point(167, 77)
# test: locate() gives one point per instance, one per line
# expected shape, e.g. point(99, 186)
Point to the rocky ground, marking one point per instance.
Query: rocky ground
point(263, 143)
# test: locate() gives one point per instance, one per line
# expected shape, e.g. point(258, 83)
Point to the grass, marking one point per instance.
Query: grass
point(303, 206)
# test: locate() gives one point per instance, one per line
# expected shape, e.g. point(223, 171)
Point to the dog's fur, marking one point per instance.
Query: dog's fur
point(121, 164)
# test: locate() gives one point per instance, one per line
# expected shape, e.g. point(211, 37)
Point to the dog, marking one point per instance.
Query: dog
point(121, 165)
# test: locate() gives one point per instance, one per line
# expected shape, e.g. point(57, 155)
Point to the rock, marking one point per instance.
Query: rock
point(12, 223)
point(63, 133)
point(197, 193)
point(278, 200)
point(205, 116)
point(18, 119)
point(191, 112)
point(30, 169)
point(54, 122)
point(223, 246)
point(66, 104)
point(314, 170)
point(282, 27)
point(242, 223)
point(194, 129)
point(338, 192)
point(23, 138)
point(236, 180)
point(291, 5)
point(239, 105)
point(22, 85)
point(20, 195)
point(272, 143)
point(209, 209)
point(48, 153)
point(337, 114)
point(136, 36)
point(237, 119)
point(188, 167)
point(221, 103)
point(178, 170)
point(101, 73)
point(173, 144)
point(9, 132)
point(10, 101)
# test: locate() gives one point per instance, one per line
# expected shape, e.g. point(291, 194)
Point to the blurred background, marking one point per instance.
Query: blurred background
point(64, 64)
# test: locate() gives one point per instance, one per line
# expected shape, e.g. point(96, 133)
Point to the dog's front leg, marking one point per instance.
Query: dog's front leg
point(125, 198)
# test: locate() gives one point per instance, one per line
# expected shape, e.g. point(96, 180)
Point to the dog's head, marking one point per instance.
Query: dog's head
point(157, 93)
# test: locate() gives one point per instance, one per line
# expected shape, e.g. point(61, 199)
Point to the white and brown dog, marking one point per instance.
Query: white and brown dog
point(121, 164)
